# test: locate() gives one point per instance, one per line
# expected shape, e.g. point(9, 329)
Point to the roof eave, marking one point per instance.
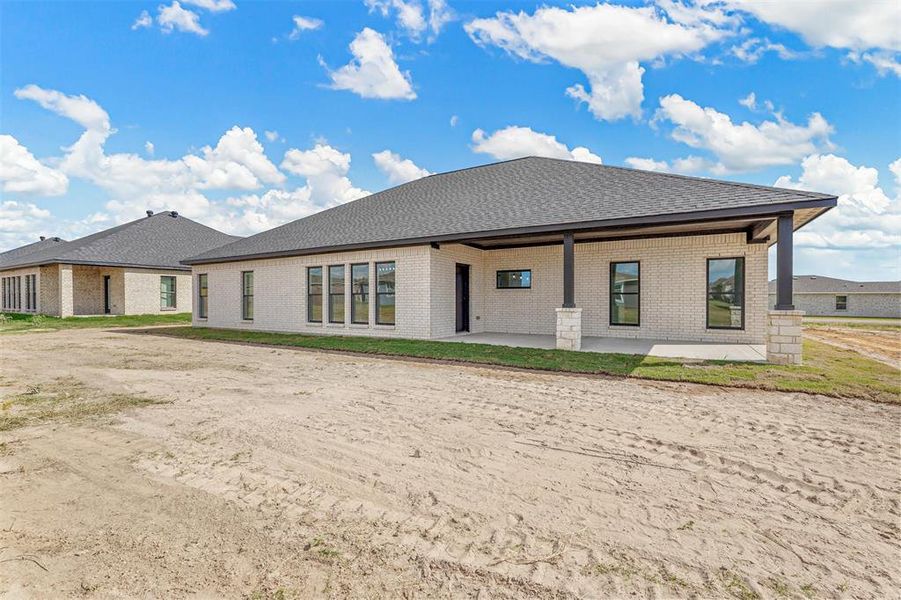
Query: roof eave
point(768, 210)
point(89, 263)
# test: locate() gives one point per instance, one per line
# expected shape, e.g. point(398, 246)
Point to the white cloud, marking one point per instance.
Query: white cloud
point(606, 42)
point(440, 14)
point(855, 25)
point(373, 73)
point(212, 5)
point(752, 49)
point(685, 166)
point(515, 142)
point(80, 109)
point(21, 223)
point(149, 148)
point(865, 218)
point(20, 171)
point(144, 20)
point(411, 18)
point(302, 24)
point(326, 170)
point(272, 136)
point(174, 17)
point(399, 170)
point(454, 120)
point(743, 146)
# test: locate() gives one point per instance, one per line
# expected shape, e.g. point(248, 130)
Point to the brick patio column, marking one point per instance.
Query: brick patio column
point(783, 337)
point(66, 291)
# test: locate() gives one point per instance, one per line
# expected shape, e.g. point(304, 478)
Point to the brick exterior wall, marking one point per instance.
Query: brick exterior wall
point(859, 305)
point(36, 271)
point(673, 289)
point(280, 293)
point(141, 289)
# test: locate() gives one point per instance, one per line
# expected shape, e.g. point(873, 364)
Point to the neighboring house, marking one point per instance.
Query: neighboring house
point(131, 269)
point(534, 246)
point(829, 297)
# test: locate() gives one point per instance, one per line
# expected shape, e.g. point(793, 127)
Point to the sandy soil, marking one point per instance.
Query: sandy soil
point(279, 473)
point(879, 344)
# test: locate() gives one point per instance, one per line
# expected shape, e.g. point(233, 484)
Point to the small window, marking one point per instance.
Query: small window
point(203, 292)
point(28, 292)
point(359, 294)
point(18, 291)
point(247, 295)
point(167, 292)
point(314, 294)
point(336, 294)
point(384, 293)
point(34, 292)
point(625, 293)
point(726, 293)
point(513, 280)
point(841, 303)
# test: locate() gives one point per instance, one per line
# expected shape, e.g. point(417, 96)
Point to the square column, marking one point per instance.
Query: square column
point(66, 291)
point(569, 329)
point(783, 337)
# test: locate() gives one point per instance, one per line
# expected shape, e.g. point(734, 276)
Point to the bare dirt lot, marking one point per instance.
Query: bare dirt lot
point(883, 345)
point(280, 473)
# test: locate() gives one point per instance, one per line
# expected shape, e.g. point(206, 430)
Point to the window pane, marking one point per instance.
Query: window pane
point(625, 286)
point(336, 279)
point(725, 293)
point(314, 309)
point(167, 291)
point(719, 311)
point(359, 285)
point(385, 314)
point(248, 283)
point(625, 309)
point(314, 280)
point(336, 308)
point(625, 277)
point(514, 279)
point(384, 273)
point(724, 276)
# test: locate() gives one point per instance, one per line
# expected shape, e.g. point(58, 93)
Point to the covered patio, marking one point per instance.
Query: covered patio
point(646, 347)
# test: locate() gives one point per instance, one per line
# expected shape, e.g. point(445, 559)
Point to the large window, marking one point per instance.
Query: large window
point(512, 280)
point(203, 296)
point(247, 295)
point(314, 294)
point(336, 294)
point(841, 303)
point(3, 283)
point(34, 292)
point(625, 293)
point(726, 293)
point(167, 292)
point(384, 293)
point(28, 306)
point(17, 292)
point(359, 294)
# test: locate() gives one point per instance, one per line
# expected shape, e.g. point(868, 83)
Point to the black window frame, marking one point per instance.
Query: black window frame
point(379, 293)
point(28, 293)
point(499, 272)
point(173, 293)
point(845, 307)
point(611, 272)
point(203, 299)
point(17, 291)
point(343, 294)
point(353, 295)
point(310, 295)
point(707, 293)
point(245, 296)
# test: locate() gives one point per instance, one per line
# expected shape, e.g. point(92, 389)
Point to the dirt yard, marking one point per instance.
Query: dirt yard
point(269, 473)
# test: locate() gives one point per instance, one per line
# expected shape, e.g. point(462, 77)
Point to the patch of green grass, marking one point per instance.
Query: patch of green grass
point(736, 586)
point(63, 400)
point(21, 323)
point(827, 370)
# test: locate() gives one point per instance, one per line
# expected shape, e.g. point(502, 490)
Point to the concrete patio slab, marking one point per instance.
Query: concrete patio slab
point(663, 348)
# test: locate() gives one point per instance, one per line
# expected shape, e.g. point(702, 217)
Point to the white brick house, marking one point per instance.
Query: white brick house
point(126, 270)
point(829, 297)
point(532, 246)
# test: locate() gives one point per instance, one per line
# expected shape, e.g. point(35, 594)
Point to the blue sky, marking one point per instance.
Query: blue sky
point(262, 112)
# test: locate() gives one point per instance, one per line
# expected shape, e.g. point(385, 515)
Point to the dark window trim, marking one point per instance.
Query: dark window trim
point(845, 307)
point(203, 309)
point(174, 293)
point(245, 295)
point(610, 293)
point(368, 294)
point(707, 293)
point(330, 293)
point(378, 294)
point(497, 279)
point(310, 269)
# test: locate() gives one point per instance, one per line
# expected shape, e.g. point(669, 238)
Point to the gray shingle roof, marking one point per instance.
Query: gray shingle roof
point(523, 193)
point(162, 240)
point(817, 284)
point(38, 246)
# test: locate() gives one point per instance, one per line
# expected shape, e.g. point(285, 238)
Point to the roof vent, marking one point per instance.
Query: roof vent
point(43, 238)
point(174, 213)
point(149, 213)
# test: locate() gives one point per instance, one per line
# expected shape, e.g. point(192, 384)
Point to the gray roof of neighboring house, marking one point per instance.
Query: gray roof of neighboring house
point(817, 284)
point(40, 245)
point(162, 240)
point(526, 195)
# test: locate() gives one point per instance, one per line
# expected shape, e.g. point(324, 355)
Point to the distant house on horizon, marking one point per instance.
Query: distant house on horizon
point(129, 269)
point(829, 297)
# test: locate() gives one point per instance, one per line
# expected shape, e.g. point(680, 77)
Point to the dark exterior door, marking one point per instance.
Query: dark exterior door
point(462, 297)
point(106, 292)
